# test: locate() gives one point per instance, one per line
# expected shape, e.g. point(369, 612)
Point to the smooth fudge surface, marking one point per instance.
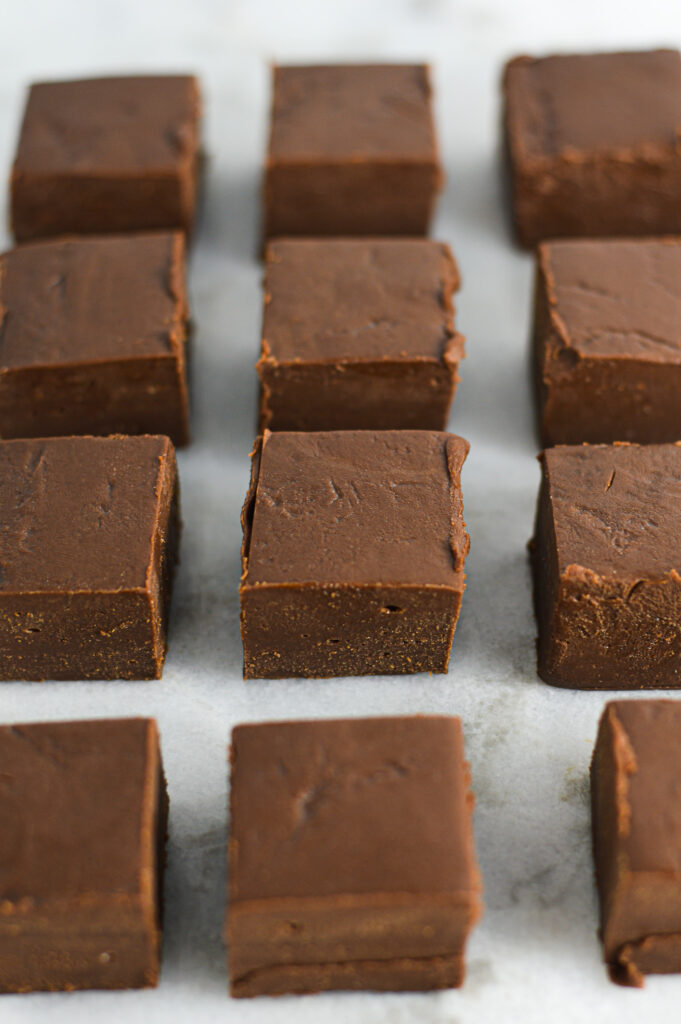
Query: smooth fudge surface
point(593, 144)
point(88, 545)
point(607, 566)
point(607, 341)
point(635, 775)
point(358, 335)
point(351, 856)
point(107, 155)
point(353, 553)
point(83, 811)
point(93, 337)
point(352, 151)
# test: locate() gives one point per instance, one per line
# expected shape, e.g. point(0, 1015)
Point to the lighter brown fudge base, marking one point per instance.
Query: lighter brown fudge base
point(321, 632)
point(356, 396)
point(398, 975)
point(596, 197)
point(46, 206)
point(355, 198)
point(109, 943)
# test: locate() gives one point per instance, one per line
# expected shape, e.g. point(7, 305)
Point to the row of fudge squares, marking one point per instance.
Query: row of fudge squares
point(353, 556)
point(352, 151)
point(355, 545)
point(351, 853)
point(352, 560)
point(591, 142)
point(357, 334)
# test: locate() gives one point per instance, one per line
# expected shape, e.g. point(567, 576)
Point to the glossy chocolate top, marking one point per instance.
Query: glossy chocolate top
point(616, 509)
point(615, 298)
point(356, 507)
point(77, 802)
point(362, 111)
point(594, 103)
point(105, 126)
point(80, 513)
point(92, 299)
point(359, 300)
point(362, 806)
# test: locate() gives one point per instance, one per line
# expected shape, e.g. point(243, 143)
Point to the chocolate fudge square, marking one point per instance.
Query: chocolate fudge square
point(353, 553)
point(635, 775)
point(93, 337)
point(607, 341)
point(607, 566)
point(88, 546)
point(352, 151)
point(107, 155)
point(593, 144)
point(83, 809)
point(358, 335)
point(351, 856)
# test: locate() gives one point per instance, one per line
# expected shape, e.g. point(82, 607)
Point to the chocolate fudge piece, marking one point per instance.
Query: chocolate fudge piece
point(351, 856)
point(358, 335)
point(83, 812)
point(593, 144)
point(107, 155)
point(607, 566)
point(607, 341)
point(353, 553)
point(635, 776)
point(93, 336)
point(352, 151)
point(87, 548)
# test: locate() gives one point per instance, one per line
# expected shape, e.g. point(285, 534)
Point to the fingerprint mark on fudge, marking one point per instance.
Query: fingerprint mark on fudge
point(337, 781)
point(105, 504)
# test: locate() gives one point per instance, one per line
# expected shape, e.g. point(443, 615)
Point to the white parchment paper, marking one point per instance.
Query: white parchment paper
point(534, 957)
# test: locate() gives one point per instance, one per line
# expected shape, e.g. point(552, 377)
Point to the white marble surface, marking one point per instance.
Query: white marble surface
point(534, 957)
